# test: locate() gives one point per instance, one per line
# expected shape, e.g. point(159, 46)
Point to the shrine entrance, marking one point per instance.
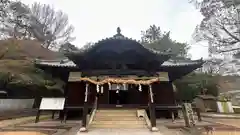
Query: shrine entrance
point(118, 95)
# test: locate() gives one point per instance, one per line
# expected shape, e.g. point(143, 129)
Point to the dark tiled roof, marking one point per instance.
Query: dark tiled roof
point(69, 63)
point(120, 36)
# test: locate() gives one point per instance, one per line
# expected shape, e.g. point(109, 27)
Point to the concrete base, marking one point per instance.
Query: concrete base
point(140, 113)
point(83, 129)
point(154, 129)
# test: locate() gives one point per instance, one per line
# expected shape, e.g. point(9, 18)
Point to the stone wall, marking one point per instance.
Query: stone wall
point(15, 104)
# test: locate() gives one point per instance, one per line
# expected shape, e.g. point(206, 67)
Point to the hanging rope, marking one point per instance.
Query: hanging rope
point(140, 87)
point(101, 89)
point(97, 88)
point(122, 81)
point(151, 94)
point(109, 86)
point(86, 93)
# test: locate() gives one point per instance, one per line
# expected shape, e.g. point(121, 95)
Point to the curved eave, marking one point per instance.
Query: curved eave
point(166, 65)
point(55, 63)
point(178, 71)
point(179, 63)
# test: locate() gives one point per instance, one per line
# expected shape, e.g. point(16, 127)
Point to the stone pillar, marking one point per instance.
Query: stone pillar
point(188, 115)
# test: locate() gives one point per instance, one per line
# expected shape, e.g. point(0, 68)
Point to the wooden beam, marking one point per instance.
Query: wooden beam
point(117, 73)
point(133, 74)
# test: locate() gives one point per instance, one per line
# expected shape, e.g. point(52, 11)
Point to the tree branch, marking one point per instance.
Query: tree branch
point(230, 50)
point(230, 34)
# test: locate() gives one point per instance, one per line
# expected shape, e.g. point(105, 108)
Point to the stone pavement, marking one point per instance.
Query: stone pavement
point(166, 127)
point(116, 132)
point(71, 127)
point(223, 126)
point(22, 133)
point(50, 127)
point(229, 122)
point(55, 127)
point(13, 122)
point(221, 115)
point(162, 131)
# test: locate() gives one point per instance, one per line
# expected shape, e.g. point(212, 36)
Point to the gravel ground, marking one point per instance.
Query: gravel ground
point(21, 133)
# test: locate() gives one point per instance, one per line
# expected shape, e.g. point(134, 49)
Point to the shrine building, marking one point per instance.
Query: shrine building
point(121, 73)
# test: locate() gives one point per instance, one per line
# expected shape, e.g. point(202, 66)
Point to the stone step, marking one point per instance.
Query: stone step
point(117, 118)
point(117, 110)
point(107, 118)
point(114, 115)
point(119, 122)
point(122, 112)
point(118, 126)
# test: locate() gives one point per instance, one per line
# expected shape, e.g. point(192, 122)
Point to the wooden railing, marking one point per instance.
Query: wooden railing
point(93, 112)
point(146, 118)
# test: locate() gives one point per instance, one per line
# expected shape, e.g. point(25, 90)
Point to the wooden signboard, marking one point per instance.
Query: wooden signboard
point(52, 104)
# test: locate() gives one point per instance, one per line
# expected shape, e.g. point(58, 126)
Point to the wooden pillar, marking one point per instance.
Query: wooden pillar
point(53, 114)
point(152, 114)
point(38, 115)
point(152, 110)
point(62, 113)
point(138, 95)
point(85, 111)
point(38, 112)
point(172, 114)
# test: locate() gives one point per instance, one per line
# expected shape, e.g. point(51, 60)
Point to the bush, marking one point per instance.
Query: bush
point(193, 84)
point(22, 79)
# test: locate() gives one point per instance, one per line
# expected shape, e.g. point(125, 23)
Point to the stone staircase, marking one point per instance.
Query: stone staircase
point(117, 118)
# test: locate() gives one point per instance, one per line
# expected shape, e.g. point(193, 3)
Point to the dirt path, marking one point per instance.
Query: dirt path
point(21, 133)
point(227, 122)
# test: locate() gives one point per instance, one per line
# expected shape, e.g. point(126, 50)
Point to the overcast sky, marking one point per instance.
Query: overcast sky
point(97, 19)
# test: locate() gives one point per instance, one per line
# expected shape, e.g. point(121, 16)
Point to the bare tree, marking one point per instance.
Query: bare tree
point(4, 14)
point(3, 9)
point(55, 24)
point(87, 46)
point(220, 26)
point(214, 66)
point(68, 48)
point(41, 22)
